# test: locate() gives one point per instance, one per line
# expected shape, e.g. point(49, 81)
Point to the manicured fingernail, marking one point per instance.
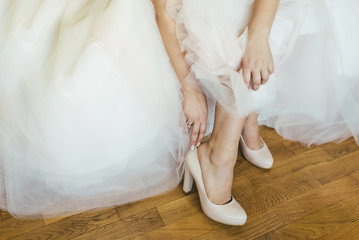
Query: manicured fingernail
point(198, 144)
point(192, 147)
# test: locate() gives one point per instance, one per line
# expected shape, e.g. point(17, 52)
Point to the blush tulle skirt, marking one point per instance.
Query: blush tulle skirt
point(90, 108)
point(313, 95)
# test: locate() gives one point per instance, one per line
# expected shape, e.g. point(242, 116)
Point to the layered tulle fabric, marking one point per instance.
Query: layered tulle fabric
point(313, 95)
point(90, 108)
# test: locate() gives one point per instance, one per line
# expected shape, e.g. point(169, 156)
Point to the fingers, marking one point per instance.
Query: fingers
point(246, 72)
point(258, 71)
point(197, 134)
point(265, 76)
point(239, 67)
point(257, 80)
point(271, 68)
point(267, 72)
point(194, 135)
point(259, 77)
point(189, 125)
point(202, 132)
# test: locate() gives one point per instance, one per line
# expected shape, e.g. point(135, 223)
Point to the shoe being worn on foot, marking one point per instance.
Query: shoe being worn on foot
point(261, 158)
point(230, 213)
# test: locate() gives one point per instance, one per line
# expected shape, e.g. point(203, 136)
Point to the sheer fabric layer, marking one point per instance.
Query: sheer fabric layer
point(313, 95)
point(90, 108)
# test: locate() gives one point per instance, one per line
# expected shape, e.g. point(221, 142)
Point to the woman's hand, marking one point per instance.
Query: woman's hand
point(195, 110)
point(257, 62)
point(194, 104)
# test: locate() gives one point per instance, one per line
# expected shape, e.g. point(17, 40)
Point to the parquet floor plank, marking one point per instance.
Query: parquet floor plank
point(73, 226)
point(339, 150)
point(13, 227)
point(130, 209)
point(241, 185)
point(127, 228)
point(264, 237)
point(4, 215)
point(184, 229)
point(349, 231)
point(256, 226)
point(355, 174)
point(49, 221)
point(321, 223)
point(343, 166)
point(316, 199)
point(296, 147)
point(290, 165)
point(181, 208)
point(277, 191)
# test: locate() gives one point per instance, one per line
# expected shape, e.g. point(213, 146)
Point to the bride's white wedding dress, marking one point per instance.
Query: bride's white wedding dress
point(313, 95)
point(90, 108)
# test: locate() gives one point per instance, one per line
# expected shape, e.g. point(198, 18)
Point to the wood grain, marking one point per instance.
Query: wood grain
point(73, 226)
point(320, 223)
point(13, 227)
point(141, 206)
point(342, 149)
point(278, 191)
point(355, 174)
point(349, 231)
point(127, 228)
point(316, 199)
point(337, 169)
point(186, 228)
point(288, 166)
point(4, 215)
point(310, 193)
point(179, 209)
point(257, 225)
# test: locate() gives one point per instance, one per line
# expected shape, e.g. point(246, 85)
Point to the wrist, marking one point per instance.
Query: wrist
point(190, 84)
point(258, 34)
point(188, 88)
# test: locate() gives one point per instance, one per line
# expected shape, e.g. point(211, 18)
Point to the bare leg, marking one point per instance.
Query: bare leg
point(219, 154)
point(250, 132)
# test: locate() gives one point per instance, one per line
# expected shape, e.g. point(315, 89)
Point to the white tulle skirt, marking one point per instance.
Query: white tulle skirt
point(90, 108)
point(313, 95)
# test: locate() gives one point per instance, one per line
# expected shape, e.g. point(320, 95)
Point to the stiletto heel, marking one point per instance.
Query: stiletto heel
point(230, 213)
point(187, 182)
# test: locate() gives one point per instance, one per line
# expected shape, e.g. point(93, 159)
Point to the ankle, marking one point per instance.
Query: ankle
point(223, 160)
point(217, 157)
point(250, 131)
point(252, 140)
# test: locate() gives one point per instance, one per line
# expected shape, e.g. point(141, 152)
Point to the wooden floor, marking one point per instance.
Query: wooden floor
point(310, 193)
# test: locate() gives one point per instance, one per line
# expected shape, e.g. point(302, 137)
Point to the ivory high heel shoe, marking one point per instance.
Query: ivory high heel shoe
point(230, 213)
point(261, 158)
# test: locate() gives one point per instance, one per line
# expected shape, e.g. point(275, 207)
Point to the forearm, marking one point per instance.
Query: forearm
point(167, 27)
point(262, 18)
